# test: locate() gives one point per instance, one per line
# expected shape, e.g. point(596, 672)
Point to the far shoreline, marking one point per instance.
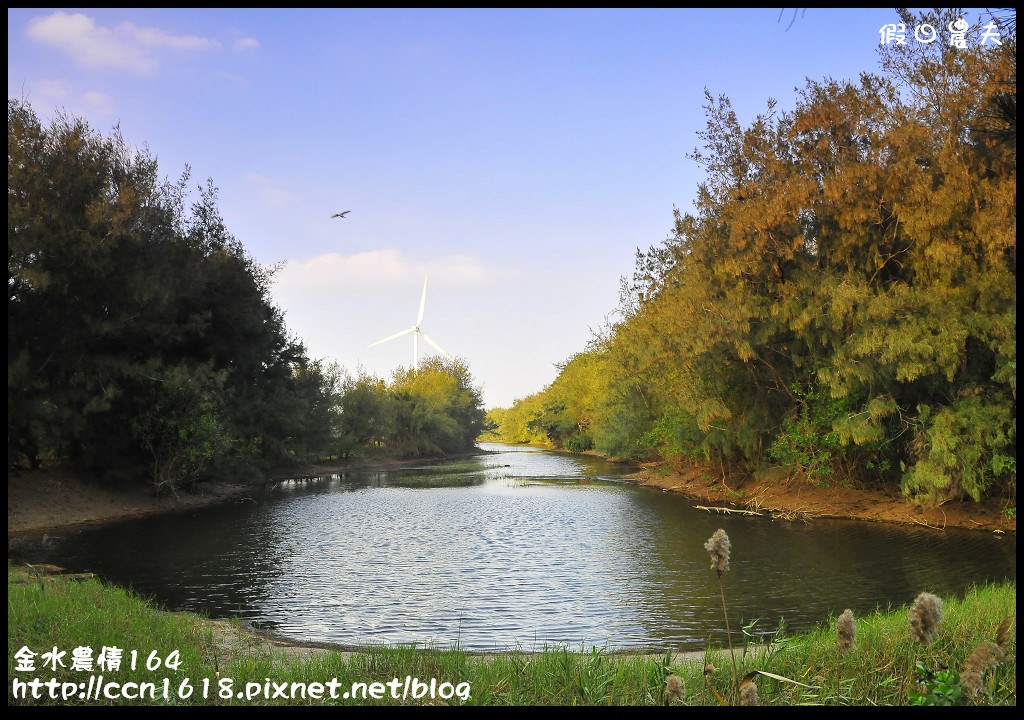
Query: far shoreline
point(48, 500)
point(40, 501)
point(781, 496)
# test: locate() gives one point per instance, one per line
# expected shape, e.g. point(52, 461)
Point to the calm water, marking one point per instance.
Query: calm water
point(517, 548)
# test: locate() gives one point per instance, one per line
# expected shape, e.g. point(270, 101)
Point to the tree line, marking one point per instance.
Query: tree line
point(842, 300)
point(142, 343)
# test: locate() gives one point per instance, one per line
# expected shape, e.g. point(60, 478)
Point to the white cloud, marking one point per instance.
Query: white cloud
point(126, 46)
point(276, 197)
point(340, 303)
point(511, 327)
point(98, 102)
point(269, 192)
point(383, 267)
point(53, 89)
point(51, 94)
point(154, 37)
point(246, 43)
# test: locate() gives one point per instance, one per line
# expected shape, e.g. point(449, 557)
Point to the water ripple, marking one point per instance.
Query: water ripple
point(509, 550)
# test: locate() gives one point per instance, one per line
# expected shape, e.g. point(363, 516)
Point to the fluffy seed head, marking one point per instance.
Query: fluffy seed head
point(925, 616)
point(674, 689)
point(718, 548)
point(748, 690)
point(846, 631)
point(1003, 632)
point(973, 681)
point(981, 658)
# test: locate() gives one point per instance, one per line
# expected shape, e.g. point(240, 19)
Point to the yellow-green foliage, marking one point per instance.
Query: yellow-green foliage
point(434, 409)
point(565, 413)
point(843, 299)
point(512, 424)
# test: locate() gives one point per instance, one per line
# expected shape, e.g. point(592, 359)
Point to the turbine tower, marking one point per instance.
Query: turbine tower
point(416, 333)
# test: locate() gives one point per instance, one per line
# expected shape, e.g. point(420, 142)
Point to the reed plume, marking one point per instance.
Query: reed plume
point(1003, 632)
point(925, 616)
point(709, 670)
point(674, 689)
point(748, 690)
point(718, 548)
point(846, 631)
point(982, 657)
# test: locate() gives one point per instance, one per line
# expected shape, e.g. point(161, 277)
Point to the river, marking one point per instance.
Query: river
point(517, 548)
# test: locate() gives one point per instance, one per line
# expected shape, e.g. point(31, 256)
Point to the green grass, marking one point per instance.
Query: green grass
point(880, 668)
point(54, 611)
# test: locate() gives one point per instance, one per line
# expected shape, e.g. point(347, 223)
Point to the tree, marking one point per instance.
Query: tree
point(843, 298)
point(140, 334)
point(438, 409)
point(367, 415)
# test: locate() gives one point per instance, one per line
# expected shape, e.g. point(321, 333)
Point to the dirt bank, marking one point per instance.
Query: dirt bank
point(789, 498)
point(48, 499)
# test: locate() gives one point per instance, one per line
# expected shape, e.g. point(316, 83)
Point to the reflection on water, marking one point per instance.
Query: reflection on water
point(517, 548)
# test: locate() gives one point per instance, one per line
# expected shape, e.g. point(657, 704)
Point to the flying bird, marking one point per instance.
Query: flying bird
point(340, 215)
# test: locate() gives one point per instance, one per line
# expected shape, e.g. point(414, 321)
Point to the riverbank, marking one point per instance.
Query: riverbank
point(43, 500)
point(776, 495)
point(220, 662)
point(50, 499)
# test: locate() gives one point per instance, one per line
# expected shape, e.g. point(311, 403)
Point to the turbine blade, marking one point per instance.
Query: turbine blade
point(392, 337)
point(436, 346)
point(423, 302)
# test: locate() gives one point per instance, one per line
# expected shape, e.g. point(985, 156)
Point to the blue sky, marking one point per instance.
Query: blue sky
point(518, 157)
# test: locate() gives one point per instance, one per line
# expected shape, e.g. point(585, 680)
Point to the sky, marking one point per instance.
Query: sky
point(516, 158)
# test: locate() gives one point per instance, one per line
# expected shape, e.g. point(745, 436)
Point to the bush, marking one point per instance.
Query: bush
point(579, 442)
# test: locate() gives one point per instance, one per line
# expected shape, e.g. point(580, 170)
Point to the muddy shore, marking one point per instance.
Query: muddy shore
point(42, 500)
point(791, 499)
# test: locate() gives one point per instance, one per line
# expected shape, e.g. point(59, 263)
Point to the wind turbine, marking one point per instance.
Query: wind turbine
point(416, 333)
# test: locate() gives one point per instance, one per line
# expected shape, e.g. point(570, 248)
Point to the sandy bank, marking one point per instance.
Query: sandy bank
point(792, 499)
point(48, 499)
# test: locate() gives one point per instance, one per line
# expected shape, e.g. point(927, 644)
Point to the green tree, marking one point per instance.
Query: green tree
point(140, 334)
point(367, 414)
point(841, 301)
point(438, 409)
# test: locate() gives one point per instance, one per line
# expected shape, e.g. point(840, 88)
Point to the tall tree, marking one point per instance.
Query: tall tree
point(843, 298)
point(141, 337)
